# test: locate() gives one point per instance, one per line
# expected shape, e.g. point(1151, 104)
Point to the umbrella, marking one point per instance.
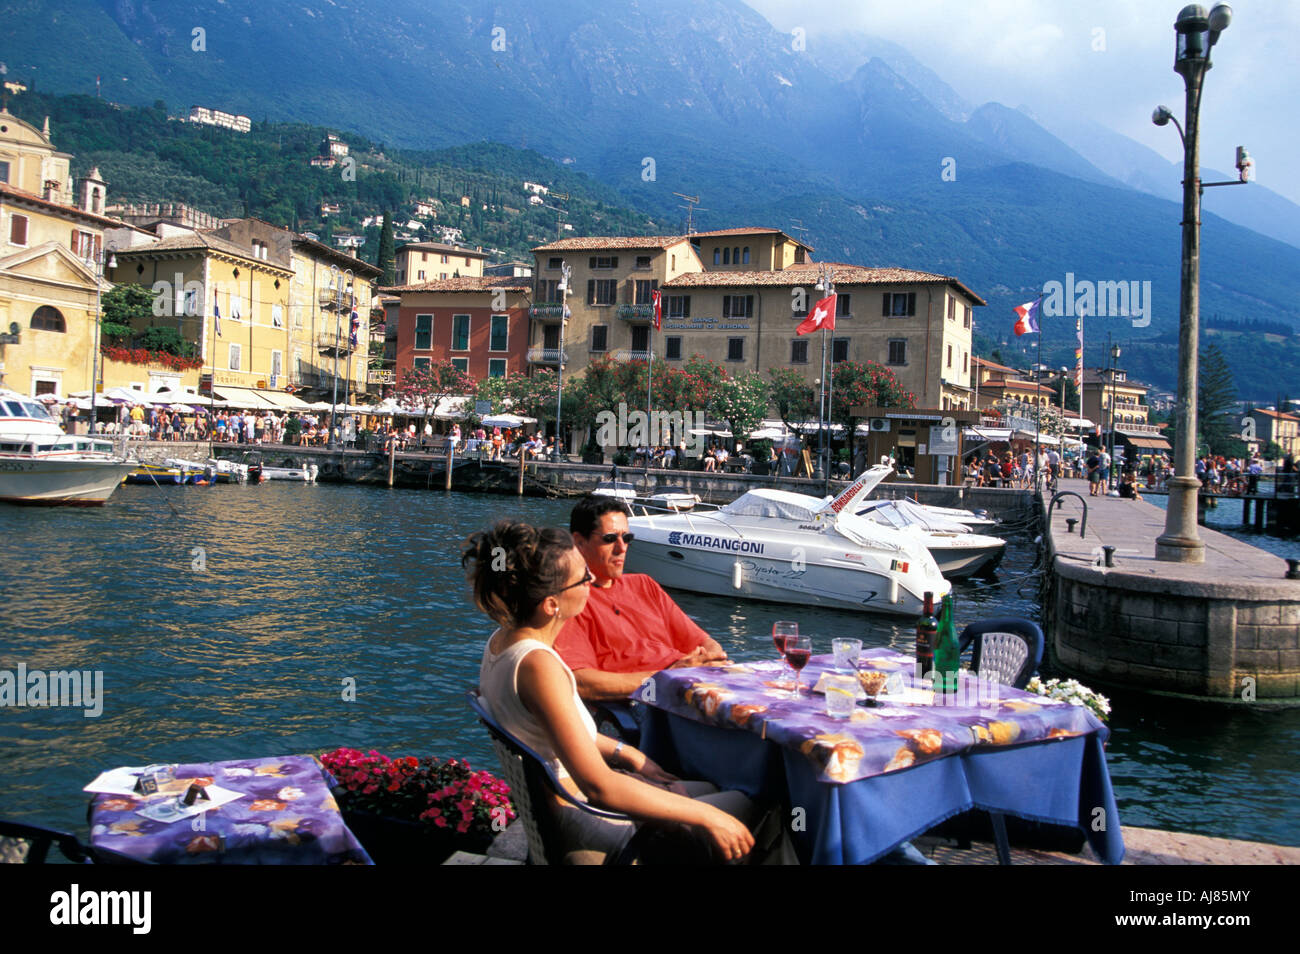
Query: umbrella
point(507, 420)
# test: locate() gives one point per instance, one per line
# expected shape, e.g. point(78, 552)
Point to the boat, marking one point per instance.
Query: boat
point(955, 547)
point(621, 489)
point(257, 470)
point(955, 518)
point(675, 499)
point(784, 547)
point(42, 465)
point(228, 471)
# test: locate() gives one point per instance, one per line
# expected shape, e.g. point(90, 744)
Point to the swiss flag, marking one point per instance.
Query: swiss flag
point(821, 317)
point(657, 299)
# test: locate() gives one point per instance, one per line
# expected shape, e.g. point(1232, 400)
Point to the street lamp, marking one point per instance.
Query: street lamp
point(566, 279)
point(97, 261)
point(1110, 431)
point(340, 279)
point(825, 287)
point(1195, 32)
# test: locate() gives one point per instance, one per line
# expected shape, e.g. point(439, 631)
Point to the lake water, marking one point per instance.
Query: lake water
point(308, 588)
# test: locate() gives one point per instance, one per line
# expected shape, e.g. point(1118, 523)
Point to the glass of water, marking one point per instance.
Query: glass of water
point(846, 652)
point(841, 695)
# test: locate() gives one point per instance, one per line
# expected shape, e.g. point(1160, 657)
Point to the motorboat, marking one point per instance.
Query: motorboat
point(789, 548)
point(674, 499)
point(41, 465)
point(951, 518)
point(228, 471)
point(621, 489)
point(257, 470)
point(171, 472)
point(955, 547)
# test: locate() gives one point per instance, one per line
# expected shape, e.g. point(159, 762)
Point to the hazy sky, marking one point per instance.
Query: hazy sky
point(1040, 54)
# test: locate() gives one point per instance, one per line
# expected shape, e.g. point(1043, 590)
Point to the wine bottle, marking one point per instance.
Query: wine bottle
point(947, 652)
point(927, 628)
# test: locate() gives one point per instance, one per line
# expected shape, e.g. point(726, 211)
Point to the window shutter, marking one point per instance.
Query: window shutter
point(726, 306)
point(593, 262)
point(74, 240)
point(686, 306)
point(911, 303)
point(613, 261)
point(591, 290)
point(884, 312)
point(749, 306)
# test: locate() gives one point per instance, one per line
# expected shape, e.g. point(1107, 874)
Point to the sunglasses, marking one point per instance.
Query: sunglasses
point(611, 537)
point(587, 579)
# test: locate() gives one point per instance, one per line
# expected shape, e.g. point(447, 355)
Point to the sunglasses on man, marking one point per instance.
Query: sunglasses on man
point(611, 537)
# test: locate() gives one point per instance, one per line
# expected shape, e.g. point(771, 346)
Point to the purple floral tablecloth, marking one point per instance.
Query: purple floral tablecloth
point(885, 738)
point(286, 816)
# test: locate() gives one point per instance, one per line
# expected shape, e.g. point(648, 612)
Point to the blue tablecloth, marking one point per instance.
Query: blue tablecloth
point(1061, 779)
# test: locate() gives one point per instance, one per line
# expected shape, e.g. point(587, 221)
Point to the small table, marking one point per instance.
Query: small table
point(857, 788)
point(286, 817)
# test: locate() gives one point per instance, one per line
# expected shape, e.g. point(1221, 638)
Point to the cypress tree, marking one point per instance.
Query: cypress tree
point(387, 256)
point(1216, 393)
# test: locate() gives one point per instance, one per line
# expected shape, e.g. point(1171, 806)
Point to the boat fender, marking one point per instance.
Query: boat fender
point(893, 588)
point(737, 575)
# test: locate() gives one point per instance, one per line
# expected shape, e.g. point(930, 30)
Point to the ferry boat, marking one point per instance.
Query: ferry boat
point(41, 465)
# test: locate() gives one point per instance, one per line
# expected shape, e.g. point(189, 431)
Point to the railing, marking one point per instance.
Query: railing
point(624, 354)
point(328, 299)
point(644, 312)
point(329, 341)
point(547, 312)
point(547, 356)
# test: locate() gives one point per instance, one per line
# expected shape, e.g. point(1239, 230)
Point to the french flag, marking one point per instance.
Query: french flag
point(1027, 322)
point(355, 327)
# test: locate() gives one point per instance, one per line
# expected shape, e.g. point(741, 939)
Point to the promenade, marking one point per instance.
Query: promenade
point(1226, 629)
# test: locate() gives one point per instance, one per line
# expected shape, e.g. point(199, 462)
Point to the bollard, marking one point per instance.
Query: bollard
point(522, 454)
point(451, 458)
point(1293, 569)
point(1110, 555)
point(1069, 524)
point(392, 458)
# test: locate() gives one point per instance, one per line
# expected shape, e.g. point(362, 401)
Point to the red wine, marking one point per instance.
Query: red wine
point(780, 642)
point(797, 658)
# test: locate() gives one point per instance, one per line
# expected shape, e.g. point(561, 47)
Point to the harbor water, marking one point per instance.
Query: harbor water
point(234, 622)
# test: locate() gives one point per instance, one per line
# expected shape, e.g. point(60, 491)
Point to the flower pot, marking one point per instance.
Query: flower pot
point(395, 841)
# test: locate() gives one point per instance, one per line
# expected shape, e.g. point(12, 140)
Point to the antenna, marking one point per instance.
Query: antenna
point(563, 196)
point(799, 227)
point(691, 202)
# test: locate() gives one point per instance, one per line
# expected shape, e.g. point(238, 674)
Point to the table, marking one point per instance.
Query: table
point(858, 788)
point(287, 816)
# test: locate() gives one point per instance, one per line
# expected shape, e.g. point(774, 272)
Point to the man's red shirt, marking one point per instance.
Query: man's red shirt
point(631, 626)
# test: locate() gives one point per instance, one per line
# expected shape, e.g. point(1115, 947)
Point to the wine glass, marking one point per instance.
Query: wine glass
point(782, 630)
point(797, 651)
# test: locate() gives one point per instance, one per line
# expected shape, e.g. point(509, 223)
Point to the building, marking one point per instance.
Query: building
point(511, 269)
point(51, 245)
point(479, 323)
point(216, 117)
point(1113, 401)
point(1277, 427)
point(536, 188)
point(334, 146)
point(420, 262)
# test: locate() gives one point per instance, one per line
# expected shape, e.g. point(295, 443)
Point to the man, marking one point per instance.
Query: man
point(631, 628)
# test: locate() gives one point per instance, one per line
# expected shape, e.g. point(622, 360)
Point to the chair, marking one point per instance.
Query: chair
point(22, 844)
point(618, 716)
point(1009, 648)
point(532, 785)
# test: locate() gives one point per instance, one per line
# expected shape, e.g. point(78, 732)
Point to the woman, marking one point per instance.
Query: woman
point(531, 582)
point(1094, 475)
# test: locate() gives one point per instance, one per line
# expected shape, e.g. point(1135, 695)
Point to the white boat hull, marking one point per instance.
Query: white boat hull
point(958, 558)
point(55, 481)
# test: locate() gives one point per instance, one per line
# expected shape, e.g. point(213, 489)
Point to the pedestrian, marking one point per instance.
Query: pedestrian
point(1094, 474)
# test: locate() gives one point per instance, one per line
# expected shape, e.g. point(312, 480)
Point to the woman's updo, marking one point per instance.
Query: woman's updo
point(513, 567)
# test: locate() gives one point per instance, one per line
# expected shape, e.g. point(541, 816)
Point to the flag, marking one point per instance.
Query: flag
point(1078, 355)
point(355, 327)
point(657, 298)
point(1027, 323)
point(216, 311)
point(821, 317)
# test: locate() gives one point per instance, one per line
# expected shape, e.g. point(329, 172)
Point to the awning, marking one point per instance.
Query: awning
point(284, 400)
point(1151, 443)
point(243, 397)
point(987, 433)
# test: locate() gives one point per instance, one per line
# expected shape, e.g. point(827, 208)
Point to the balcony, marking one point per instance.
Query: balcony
point(381, 377)
point(551, 356)
point(626, 354)
point(328, 341)
point(328, 299)
point(553, 311)
point(636, 313)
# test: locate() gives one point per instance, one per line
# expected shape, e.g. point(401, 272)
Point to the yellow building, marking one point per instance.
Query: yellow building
point(418, 262)
point(51, 240)
point(1278, 428)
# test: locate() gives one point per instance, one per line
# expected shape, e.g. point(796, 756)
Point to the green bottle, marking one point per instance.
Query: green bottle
point(947, 652)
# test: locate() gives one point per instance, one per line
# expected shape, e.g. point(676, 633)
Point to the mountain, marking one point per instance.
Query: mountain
point(881, 160)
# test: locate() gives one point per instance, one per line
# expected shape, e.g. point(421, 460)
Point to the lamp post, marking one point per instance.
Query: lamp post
point(566, 279)
point(340, 278)
point(1195, 33)
point(98, 261)
point(1110, 430)
point(825, 287)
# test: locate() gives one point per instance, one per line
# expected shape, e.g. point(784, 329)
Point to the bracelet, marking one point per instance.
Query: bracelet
point(618, 748)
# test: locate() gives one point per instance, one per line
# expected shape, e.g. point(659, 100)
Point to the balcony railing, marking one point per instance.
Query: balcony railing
point(547, 356)
point(636, 312)
point(626, 354)
point(328, 341)
point(547, 312)
point(328, 299)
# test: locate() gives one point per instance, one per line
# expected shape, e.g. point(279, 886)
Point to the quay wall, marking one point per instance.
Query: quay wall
point(1227, 630)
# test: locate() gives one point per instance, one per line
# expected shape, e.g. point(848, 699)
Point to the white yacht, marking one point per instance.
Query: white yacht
point(40, 464)
point(789, 548)
point(958, 551)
